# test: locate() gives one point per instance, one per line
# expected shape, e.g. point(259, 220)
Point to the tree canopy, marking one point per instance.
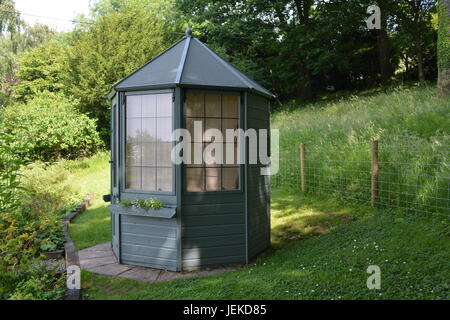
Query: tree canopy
point(298, 49)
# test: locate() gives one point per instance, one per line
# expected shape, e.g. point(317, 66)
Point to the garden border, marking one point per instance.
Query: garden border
point(70, 253)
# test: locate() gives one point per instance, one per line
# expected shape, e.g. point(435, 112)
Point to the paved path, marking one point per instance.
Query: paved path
point(100, 259)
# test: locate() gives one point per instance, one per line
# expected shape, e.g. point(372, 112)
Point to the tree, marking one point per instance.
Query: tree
point(43, 68)
point(444, 48)
point(415, 32)
point(123, 36)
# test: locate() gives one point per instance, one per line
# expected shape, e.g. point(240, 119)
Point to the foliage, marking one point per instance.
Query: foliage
point(38, 284)
point(298, 48)
point(150, 203)
point(444, 48)
point(338, 134)
point(49, 189)
point(124, 35)
point(41, 69)
point(10, 165)
point(444, 35)
point(49, 127)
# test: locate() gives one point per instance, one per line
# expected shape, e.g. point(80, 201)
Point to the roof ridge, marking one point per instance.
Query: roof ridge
point(148, 62)
point(183, 60)
point(226, 64)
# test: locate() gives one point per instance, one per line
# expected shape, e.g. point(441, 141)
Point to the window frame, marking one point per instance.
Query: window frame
point(123, 139)
point(241, 126)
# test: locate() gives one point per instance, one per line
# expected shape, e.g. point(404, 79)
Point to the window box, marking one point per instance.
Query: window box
point(163, 213)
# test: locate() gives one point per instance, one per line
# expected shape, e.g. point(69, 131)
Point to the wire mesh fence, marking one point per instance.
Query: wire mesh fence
point(387, 176)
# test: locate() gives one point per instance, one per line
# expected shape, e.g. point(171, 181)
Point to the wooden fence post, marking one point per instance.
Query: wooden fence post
point(375, 172)
point(302, 166)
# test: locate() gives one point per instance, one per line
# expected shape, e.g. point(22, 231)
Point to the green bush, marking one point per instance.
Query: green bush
point(48, 188)
point(34, 283)
point(49, 127)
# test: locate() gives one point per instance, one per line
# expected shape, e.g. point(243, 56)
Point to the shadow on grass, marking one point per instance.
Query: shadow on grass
point(299, 217)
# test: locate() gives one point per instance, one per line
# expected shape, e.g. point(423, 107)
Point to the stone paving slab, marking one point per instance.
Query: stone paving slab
point(100, 259)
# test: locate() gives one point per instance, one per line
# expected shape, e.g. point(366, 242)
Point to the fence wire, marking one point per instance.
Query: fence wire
point(411, 179)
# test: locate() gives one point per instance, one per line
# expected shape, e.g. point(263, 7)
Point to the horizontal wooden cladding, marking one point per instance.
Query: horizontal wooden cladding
point(258, 102)
point(213, 252)
point(257, 248)
point(149, 240)
point(256, 114)
point(213, 241)
point(149, 251)
point(213, 209)
point(196, 263)
point(151, 262)
point(258, 124)
point(212, 199)
point(160, 231)
point(219, 219)
point(213, 230)
point(149, 221)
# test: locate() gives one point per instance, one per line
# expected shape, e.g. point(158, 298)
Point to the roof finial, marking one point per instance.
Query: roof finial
point(189, 31)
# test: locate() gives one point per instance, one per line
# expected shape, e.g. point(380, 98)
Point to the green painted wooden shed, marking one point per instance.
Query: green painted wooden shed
point(215, 215)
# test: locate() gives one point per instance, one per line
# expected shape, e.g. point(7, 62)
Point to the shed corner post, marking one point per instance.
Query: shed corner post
point(178, 123)
point(247, 226)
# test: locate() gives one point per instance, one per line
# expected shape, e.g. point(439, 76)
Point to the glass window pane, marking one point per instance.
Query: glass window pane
point(195, 105)
point(228, 124)
point(133, 154)
point(195, 179)
point(149, 106)
point(163, 154)
point(213, 105)
point(133, 130)
point(230, 178)
point(134, 106)
point(148, 179)
point(194, 148)
point(164, 180)
point(149, 129)
point(164, 131)
point(164, 105)
point(231, 106)
point(213, 154)
point(133, 178)
point(213, 177)
point(233, 155)
point(149, 154)
point(211, 124)
point(190, 128)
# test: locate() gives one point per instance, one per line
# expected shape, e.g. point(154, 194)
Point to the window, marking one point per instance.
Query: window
point(148, 165)
point(215, 111)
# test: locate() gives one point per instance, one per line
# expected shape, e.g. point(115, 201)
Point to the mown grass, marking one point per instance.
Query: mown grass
point(93, 176)
point(322, 249)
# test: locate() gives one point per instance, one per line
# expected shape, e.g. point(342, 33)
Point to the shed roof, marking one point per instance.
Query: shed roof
point(189, 62)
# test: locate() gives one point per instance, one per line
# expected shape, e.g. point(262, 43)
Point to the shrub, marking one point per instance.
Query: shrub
point(48, 188)
point(37, 283)
point(49, 127)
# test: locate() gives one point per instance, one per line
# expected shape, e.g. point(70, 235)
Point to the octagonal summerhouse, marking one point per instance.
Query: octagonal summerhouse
point(214, 215)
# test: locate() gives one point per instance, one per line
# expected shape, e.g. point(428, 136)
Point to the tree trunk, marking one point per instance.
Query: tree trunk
point(383, 55)
point(420, 66)
point(444, 48)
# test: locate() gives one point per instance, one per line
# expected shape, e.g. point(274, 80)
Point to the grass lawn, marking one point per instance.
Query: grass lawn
point(322, 249)
point(93, 226)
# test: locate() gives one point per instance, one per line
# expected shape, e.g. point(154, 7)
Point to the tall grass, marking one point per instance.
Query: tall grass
point(413, 129)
